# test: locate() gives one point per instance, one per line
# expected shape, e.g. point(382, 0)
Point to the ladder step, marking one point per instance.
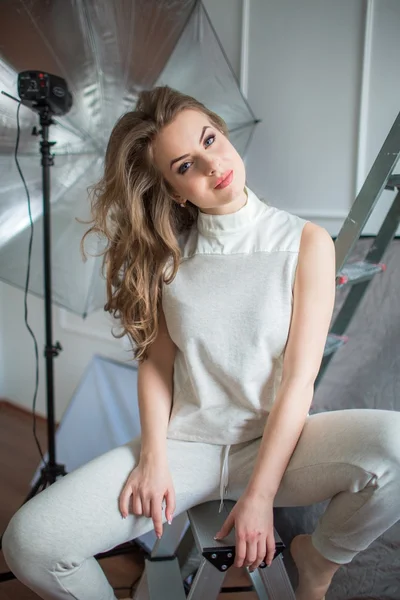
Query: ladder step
point(164, 579)
point(358, 271)
point(205, 521)
point(272, 583)
point(393, 182)
point(334, 342)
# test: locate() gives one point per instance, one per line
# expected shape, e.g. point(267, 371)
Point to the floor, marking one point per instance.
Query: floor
point(19, 459)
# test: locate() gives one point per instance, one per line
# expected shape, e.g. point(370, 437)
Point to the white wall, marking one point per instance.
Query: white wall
point(384, 81)
point(382, 93)
point(304, 83)
point(305, 71)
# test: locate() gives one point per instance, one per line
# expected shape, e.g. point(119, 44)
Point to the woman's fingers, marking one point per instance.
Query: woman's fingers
point(124, 500)
point(251, 552)
point(146, 505)
point(169, 504)
point(137, 507)
point(240, 554)
point(156, 515)
point(261, 554)
point(271, 549)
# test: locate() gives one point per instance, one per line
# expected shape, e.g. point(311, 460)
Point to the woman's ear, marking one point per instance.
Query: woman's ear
point(177, 198)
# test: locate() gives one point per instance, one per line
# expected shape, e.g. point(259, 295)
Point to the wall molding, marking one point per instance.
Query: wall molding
point(244, 48)
point(315, 215)
point(364, 96)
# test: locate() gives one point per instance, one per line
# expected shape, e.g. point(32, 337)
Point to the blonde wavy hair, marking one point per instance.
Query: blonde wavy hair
point(133, 209)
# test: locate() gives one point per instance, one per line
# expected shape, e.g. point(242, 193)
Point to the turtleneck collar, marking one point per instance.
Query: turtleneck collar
point(215, 225)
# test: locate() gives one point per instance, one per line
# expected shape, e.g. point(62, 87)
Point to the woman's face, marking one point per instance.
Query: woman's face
point(193, 156)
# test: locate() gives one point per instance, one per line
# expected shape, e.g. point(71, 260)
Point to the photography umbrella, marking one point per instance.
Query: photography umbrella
point(106, 51)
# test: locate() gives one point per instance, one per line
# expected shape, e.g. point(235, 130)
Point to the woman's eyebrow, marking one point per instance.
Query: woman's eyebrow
point(186, 155)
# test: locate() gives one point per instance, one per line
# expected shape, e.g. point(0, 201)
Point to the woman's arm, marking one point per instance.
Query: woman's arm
point(150, 481)
point(314, 298)
point(155, 388)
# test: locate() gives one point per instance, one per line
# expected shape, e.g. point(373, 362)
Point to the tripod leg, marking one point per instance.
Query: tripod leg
point(38, 487)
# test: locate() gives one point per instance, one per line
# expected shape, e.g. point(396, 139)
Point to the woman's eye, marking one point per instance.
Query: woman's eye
point(183, 168)
point(211, 137)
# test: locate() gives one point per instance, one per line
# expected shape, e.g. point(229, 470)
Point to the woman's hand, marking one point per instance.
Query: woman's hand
point(253, 519)
point(148, 484)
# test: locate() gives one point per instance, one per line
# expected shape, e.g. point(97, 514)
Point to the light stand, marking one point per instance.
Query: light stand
point(52, 470)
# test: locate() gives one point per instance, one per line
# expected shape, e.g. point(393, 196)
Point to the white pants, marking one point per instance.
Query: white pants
point(349, 456)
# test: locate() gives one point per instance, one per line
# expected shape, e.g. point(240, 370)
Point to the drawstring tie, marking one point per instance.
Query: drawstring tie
point(223, 486)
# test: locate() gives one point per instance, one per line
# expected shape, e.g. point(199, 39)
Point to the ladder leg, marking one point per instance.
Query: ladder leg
point(259, 585)
point(274, 580)
point(171, 537)
point(164, 579)
point(162, 569)
point(207, 583)
point(142, 590)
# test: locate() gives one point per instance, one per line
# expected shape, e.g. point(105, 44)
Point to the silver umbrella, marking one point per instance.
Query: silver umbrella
point(107, 51)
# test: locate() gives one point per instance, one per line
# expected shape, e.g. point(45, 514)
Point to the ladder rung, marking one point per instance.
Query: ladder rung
point(358, 271)
point(164, 579)
point(334, 342)
point(393, 182)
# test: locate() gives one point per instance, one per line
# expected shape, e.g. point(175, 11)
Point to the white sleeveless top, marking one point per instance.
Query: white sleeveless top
point(228, 311)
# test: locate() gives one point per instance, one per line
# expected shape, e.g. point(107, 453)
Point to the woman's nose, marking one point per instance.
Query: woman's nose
point(211, 166)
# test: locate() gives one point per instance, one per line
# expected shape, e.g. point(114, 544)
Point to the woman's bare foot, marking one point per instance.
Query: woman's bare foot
point(315, 571)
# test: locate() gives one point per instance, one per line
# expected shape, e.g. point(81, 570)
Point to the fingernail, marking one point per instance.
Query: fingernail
point(216, 537)
point(159, 535)
point(169, 522)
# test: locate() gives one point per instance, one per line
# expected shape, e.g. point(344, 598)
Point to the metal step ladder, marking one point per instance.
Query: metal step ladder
point(359, 274)
point(162, 577)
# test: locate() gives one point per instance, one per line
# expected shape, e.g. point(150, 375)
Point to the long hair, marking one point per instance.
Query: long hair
point(133, 210)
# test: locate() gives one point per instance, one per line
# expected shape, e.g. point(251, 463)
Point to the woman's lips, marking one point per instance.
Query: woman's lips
point(227, 178)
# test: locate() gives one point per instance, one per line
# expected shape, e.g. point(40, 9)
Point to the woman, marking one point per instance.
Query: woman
point(228, 302)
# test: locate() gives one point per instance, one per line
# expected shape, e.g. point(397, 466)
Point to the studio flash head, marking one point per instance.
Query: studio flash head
point(38, 90)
